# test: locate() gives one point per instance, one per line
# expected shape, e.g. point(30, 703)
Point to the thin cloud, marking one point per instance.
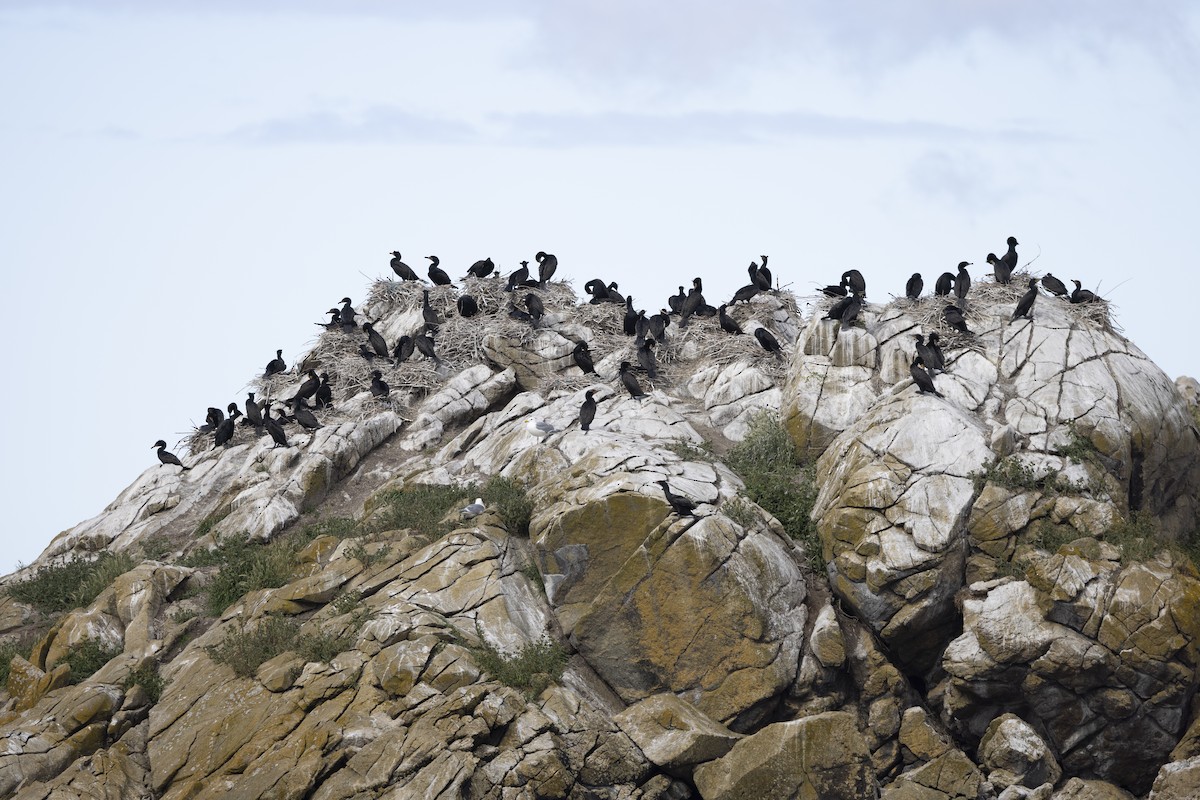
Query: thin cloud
point(377, 125)
point(958, 179)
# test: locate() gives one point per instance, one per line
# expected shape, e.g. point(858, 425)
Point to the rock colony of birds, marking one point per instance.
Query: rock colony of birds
point(353, 356)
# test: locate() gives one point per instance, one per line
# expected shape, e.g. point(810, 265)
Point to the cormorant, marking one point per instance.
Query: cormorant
point(839, 308)
point(954, 317)
point(253, 414)
point(212, 419)
point(310, 385)
point(944, 285)
point(431, 317)
point(533, 304)
point(276, 365)
point(1081, 295)
point(1002, 273)
point(1025, 305)
point(645, 357)
point(752, 270)
point(836, 290)
point(224, 432)
point(613, 295)
point(675, 301)
point(480, 269)
point(335, 321)
point(630, 323)
point(583, 358)
point(518, 313)
point(850, 313)
point(378, 344)
point(680, 505)
point(467, 307)
point(539, 428)
point(404, 349)
point(274, 429)
point(641, 327)
point(922, 378)
point(768, 342)
point(379, 387)
point(472, 510)
point(324, 395)
point(658, 325)
point(436, 273)
point(596, 288)
point(962, 282)
point(1054, 285)
point(762, 277)
point(402, 270)
point(366, 352)
point(587, 411)
point(1009, 259)
point(854, 281)
point(744, 294)
point(939, 361)
point(926, 352)
point(914, 287)
point(424, 346)
point(346, 315)
point(519, 277)
point(630, 382)
point(303, 414)
point(695, 299)
point(547, 264)
point(728, 324)
point(165, 457)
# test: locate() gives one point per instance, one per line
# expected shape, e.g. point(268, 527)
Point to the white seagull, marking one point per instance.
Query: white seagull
point(539, 428)
point(473, 510)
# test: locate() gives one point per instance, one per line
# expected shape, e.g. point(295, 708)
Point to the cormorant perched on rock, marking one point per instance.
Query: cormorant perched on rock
point(762, 276)
point(744, 294)
point(630, 382)
point(999, 270)
point(680, 505)
point(954, 317)
point(274, 429)
point(425, 347)
point(547, 264)
point(403, 271)
point(854, 281)
point(379, 387)
point(598, 291)
point(519, 277)
point(675, 301)
point(914, 287)
point(346, 315)
point(927, 354)
point(378, 344)
point(1009, 259)
point(324, 396)
point(165, 457)
point(253, 413)
point(921, 378)
point(533, 304)
point(944, 285)
point(658, 325)
point(472, 510)
point(436, 273)
point(480, 269)
point(310, 385)
point(404, 349)
point(962, 282)
point(431, 317)
point(224, 432)
point(583, 358)
point(835, 290)
point(467, 306)
point(850, 312)
point(939, 362)
point(1054, 285)
point(728, 324)
point(587, 411)
point(1025, 304)
point(629, 324)
point(539, 428)
point(837, 309)
point(1081, 295)
point(366, 352)
point(276, 365)
point(768, 342)
point(303, 414)
point(645, 357)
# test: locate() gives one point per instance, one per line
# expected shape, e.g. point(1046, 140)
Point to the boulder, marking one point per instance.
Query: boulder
point(1011, 745)
point(673, 733)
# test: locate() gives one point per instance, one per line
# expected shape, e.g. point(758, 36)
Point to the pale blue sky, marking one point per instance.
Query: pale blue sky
point(185, 191)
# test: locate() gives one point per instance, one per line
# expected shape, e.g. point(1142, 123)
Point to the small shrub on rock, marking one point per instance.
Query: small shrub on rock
point(70, 584)
point(88, 656)
point(534, 667)
point(245, 649)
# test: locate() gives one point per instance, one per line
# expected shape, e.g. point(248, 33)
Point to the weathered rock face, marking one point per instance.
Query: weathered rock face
point(954, 652)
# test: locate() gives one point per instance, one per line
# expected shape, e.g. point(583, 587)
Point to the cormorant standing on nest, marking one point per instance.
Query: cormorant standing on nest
point(850, 312)
point(432, 320)
point(335, 320)
point(694, 300)
point(212, 419)
point(324, 395)
point(424, 346)
point(768, 342)
point(744, 294)
point(658, 325)
point(467, 307)
point(378, 344)
point(954, 317)
point(839, 308)
point(962, 282)
point(596, 288)
point(835, 290)
point(165, 457)
point(274, 429)
point(613, 295)
point(583, 358)
point(645, 357)
point(480, 269)
point(547, 264)
point(533, 304)
point(629, 324)
point(346, 315)
point(680, 505)
point(224, 433)
point(675, 302)
point(1081, 295)
point(276, 365)
point(587, 411)
point(728, 324)
point(303, 414)
point(640, 328)
point(253, 414)
point(1025, 305)
point(436, 273)
point(914, 287)
point(922, 378)
point(403, 271)
point(1009, 259)
point(379, 387)
point(998, 269)
point(1054, 285)
point(854, 281)
point(762, 276)
point(404, 349)
point(310, 385)
point(366, 352)
point(630, 382)
point(944, 285)
point(519, 277)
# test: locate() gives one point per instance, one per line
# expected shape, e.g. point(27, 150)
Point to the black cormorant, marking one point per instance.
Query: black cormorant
point(324, 396)
point(404, 349)
point(744, 294)
point(658, 325)
point(835, 290)
point(1025, 304)
point(467, 307)
point(675, 301)
point(310, 385)
point(583, 358)
point(379, 387)
point(335, 320)
point(1009, 259)
point(762, 276)
point(346, 315)
point(598, 291)
point(926, 352)
point(1054, 285)
point(587, 411)
point(921, 378)
point(680, 505)
point(276, 365)
point(378, 344)
point(850, 312)
point(613, 295)
point(212, 419)
point(1081, 295)
point(533, 304)
point(839, 308)
point(854, 281)
point(402, 270)
point(303, 414)
point(165, 457)
point(431, 317)
point(728, 324)
point(436, 273)
point(253, 413)
point(629, 324)
point(962, 282)
point(630, 382)
point(547, 264)
point(641, 327)
point(954, 317)
point(944, 285)
point(999, 270)
point(224, 432)
point(480, 269)
point(645, 357)
point(768, 342)
point(366, 352)
point(274, 429)
point(425, 347)
point(914, 287)
point(939, 362)
point(695, 299)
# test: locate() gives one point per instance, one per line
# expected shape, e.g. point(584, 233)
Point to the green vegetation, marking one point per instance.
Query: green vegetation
point(346, 603)
point(322, 646)
point(211, 520)
point(1014, 473)
point(534, 575)
point(509, 499)
point(424, 507)
point(147, 677)
point(690, 451)
point(534, 667)
point(245, 566)
point(245, 649)
point(1079, 448)
point(362, 553)
point(777, 479)
point(11, 646)
point(155, 547)
point(1050, 537)
point(88, 656)
point(740, 512)
point(70, 584)
point(182, 615)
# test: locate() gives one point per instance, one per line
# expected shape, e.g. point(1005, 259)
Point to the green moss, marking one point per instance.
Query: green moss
point(534, 575)
point(88, 656)
point(1079, 448)
point(70, 584)
point(12, 646)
